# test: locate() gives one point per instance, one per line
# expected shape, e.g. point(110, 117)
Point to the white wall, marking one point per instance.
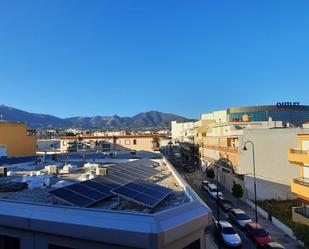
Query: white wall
point(273, 170)
point(183, 132)
point(218, 116)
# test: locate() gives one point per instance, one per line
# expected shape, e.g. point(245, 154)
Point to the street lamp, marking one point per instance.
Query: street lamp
point(253, 162)
point(218, 209)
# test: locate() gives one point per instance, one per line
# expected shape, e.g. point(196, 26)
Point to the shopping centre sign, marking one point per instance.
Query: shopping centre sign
point(288, 104)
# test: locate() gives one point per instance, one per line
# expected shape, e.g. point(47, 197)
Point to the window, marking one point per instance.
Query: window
point(134, 141)
point(127, 142)
point(52, 246)
point(8, 242)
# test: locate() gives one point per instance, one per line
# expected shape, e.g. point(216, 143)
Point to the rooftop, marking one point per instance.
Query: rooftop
point(78, 167)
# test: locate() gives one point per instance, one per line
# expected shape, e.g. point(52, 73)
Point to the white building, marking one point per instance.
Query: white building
point(271, 143)
point(183, 132)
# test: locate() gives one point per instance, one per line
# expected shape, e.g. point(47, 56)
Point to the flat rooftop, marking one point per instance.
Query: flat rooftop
point(79, 167)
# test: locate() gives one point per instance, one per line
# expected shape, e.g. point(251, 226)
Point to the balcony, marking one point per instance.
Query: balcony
point(300, 186)
point(300, 215)
point(298, 156)
point(229, 149)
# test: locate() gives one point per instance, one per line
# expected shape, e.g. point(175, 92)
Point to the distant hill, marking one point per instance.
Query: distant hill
point(152, 119)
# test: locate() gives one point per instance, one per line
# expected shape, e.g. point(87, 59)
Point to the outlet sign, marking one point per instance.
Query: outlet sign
point(288, 104)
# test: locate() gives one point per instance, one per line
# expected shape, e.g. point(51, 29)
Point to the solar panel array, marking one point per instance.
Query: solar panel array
point(88, 192)
point(83, 194)
point(143, 192)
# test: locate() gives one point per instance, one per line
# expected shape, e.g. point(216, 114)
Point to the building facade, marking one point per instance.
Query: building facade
point(292, 114)
point(183, 132)
point(16, 140)
point(106, 143)
point(270, 139)
point(299, 157)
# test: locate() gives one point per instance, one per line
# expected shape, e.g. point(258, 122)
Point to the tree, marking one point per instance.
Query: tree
point(210, 173)
point(237, 192)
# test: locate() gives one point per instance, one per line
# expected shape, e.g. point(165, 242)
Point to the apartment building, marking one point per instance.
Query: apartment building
point(16, 140)
point(270, 140)
point(299, 157)
point(184, 132)
point(150, 142)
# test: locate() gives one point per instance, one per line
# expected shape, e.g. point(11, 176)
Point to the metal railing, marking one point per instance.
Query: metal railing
point(302, 181)
point(302, 211)
point(301, 152)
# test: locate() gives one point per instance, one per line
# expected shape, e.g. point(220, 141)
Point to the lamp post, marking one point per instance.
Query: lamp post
point(253, 162)
point(218, 209)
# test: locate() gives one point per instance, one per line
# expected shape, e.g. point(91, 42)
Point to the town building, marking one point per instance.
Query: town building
point(221, 136)
point(299, 157)
point(151, 142)
point(16, 140)
point(183, 132)
point(48, 145)
point(291, 114)
point(270, 140)
point(48, 213)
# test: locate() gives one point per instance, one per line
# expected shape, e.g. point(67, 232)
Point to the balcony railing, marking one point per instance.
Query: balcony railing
point(299, 152)
point(221, 148)
point(302, 181)
point(298, 156)
point(302, 211)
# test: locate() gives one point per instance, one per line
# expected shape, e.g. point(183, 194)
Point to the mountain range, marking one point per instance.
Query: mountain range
point(152, 119)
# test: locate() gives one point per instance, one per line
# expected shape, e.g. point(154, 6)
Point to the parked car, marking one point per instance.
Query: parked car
point(225, 204)
point(228, 234)
point(212, 191)
point(239, 217)
point(188, 168)
point(257, 234)
point(204, 185)
point(274, 245)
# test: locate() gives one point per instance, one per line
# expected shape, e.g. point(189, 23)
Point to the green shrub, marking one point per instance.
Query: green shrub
point(301, 232)
point(210, 173)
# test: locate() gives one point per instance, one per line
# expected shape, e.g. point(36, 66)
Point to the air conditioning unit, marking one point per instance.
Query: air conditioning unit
point(102, 171)
point(3, 171)
point(53, 170)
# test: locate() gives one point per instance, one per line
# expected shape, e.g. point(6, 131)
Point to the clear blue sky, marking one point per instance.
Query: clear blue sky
point(69, 57)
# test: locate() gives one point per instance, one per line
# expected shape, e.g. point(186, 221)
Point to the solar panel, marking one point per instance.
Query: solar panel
point(71, 197)
point(106, 182)
point(88, 192)
point(117, 179)
point(98, 187)
point(143, 192)
point(127, 175)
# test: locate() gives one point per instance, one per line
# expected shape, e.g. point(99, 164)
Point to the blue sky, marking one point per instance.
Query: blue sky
point(69, 57)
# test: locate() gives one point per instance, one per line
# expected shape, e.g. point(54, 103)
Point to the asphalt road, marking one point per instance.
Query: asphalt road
point(195, 184)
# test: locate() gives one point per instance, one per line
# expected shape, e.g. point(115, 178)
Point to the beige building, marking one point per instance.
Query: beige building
point(270, 139)
point(299, 157)
point(16, 140)
point(106, 143)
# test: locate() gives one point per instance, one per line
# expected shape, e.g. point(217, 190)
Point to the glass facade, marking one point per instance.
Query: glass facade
point(293, 116)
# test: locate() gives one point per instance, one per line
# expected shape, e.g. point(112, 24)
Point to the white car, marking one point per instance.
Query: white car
point(239, 217)
point(212, 191)
point(228, 234)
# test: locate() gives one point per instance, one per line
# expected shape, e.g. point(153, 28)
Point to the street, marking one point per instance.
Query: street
point(195, 180)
